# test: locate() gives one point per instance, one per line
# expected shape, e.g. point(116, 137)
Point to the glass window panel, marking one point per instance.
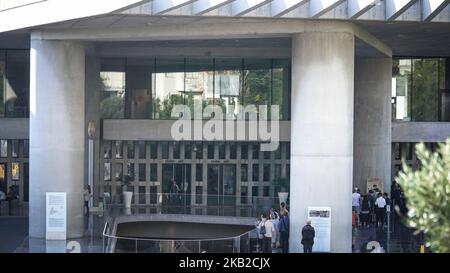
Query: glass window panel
point(257, 78)
point(153, 150)
point(142, 149)
point(199, 150)
point(107, 149)
point(165, 150)
point(244, 195)
point(112, 105)
point(15, 171)
point(26, 148)
point(255, 191)
point(153, 172)
point(425, 84)
point(221, 150)
point(119, 171)
point(266, 155)
point(130, 170)
point(278, 151)
point(255, 150)
point(199, 82)
point(198, 195)
point(153, 194)
point(401, 88)
point(233, 150)
point(244, 172)
point(168, 86)
point(255, 176)
point(107, 171)
point(176, 150)
point(119, 149)
point(281, 87)
point(142, 172)
point(130, 149)
point(141, 198)
point(266, 172)
point(187, 150)
point(244, 151)
point(277, 173)
point(211, 150)
point(288, 151)
point(15, 148)
point(227, 84)
point(16, 83)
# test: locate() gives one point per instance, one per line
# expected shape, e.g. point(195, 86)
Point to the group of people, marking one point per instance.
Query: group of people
point(370, 209)
point(273, 230)
point(13, 194)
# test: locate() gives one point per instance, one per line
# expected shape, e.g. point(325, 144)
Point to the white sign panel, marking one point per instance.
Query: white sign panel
point(56, 215)
point(321, 221)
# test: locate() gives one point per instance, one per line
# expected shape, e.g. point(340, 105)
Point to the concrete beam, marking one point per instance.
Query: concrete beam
point(163, 6)
point(431, 8)
point(281, 7)
point(394, 8)
point(318, 8)
point(241, 7)
point(420, 131)
point(357, 8)
point(203, 6)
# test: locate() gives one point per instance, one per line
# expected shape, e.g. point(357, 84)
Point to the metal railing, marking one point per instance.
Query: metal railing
point(247, 242)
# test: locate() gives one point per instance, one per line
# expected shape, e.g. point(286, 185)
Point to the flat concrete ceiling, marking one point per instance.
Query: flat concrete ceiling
point(412, 38)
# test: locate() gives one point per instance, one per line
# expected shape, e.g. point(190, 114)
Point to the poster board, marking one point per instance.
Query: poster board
point(375, 181)
point(321, 221)
point(56, 215)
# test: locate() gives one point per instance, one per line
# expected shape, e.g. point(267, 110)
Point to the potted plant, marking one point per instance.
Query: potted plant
point(282, 186)
point(127, 195)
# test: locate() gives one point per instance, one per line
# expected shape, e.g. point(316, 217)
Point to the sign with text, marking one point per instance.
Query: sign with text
point(321, 221)
point(56, 215)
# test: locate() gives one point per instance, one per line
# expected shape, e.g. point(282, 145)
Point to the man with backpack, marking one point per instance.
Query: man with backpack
point(308, 234)
point(283, 227)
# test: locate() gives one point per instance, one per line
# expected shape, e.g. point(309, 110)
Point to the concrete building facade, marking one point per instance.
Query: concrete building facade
point(348, 76)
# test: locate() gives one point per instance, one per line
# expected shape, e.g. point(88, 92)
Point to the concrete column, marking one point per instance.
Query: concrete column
point(57, 113)
point(372, 140)
point(322, 133)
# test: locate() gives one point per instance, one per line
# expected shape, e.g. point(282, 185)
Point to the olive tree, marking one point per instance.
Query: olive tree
point(427, 192)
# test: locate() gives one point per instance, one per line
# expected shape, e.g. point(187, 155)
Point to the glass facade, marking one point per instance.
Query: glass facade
point(222, 173)
point(14, 83)
point(418, 90)
point(150, 88)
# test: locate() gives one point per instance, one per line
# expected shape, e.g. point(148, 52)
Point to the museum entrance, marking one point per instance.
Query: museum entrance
point(181, 174)
point(221, 185)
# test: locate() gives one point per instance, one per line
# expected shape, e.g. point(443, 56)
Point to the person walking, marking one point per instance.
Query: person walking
point(173, 193)
point(283, 227)
point(308, 234)
point(87, 197)
point(269, 235)
point(365, 211)
point(356, 204)
point(261, 231)
point(380, 210)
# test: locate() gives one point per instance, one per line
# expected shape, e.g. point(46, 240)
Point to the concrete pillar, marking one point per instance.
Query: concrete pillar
point(322, 133)
point(372, 140)
point(57, 113)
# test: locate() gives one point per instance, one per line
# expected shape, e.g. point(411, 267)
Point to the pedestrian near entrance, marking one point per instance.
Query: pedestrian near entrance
point(284, 232)
point(270, 235)
point(356, 204)
point(308, 234)
point(87, 197)
point(380, 210)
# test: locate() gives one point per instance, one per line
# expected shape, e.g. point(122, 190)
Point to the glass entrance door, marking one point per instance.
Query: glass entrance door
point(3, 172)
point(221, 185)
